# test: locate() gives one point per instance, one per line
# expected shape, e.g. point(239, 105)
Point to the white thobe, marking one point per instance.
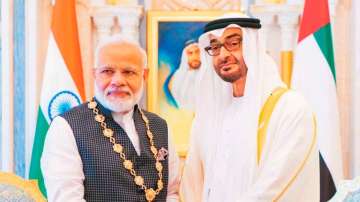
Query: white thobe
point(62, 168)
point(183, 88)
point(217, 170)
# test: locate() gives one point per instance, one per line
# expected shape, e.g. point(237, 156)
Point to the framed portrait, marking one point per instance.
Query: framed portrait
point(167, 35)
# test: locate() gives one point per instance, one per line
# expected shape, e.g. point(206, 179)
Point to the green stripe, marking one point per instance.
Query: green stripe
point(35, 171)
point(324, 40)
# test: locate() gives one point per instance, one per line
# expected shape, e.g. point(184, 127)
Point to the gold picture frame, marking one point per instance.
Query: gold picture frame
point(166, 34)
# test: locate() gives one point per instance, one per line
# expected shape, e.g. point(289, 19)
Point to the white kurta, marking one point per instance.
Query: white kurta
point(62, 166)
point(289, 166)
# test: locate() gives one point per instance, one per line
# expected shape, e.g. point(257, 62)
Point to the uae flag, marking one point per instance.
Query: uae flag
point(62, 85)
point(314, 75)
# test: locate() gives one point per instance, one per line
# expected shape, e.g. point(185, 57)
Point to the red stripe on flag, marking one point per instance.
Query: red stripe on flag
point(64, 28)
point(315, 15)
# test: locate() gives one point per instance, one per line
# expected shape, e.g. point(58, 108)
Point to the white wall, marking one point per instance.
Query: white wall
point(31, 89)
point(38, 21)
point(7, 135)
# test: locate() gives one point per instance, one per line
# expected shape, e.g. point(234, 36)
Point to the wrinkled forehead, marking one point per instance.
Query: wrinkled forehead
point(118, 49)
point(220, 34)
point(114, 54)
point(227, 33)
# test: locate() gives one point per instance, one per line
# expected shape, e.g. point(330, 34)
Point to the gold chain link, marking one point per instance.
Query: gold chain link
point(150, 193)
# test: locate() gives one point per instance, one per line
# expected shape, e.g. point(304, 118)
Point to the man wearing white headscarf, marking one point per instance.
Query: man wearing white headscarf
point(242, 149)
point(183, 85)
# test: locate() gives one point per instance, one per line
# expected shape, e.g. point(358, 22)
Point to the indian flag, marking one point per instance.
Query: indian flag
point(62, 86)
point(314, 75)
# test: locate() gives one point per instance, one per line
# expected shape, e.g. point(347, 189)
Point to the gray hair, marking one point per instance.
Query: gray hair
point(119, 39)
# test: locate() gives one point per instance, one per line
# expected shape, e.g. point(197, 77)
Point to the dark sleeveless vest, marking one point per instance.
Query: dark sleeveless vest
point(106, 179)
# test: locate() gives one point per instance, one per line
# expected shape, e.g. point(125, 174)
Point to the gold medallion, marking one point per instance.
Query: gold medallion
point(153, 150)
point(128, 164)
point(118, 148)
point(108, 132)
point(99, 118)
point(139, 180)
point(160, 184)
point(159, 167)
point(150, 194)
point(92, 105)
point(150, 135)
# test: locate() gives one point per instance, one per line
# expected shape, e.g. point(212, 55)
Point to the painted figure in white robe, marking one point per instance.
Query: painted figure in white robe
point(183, 84)
point(228, 160)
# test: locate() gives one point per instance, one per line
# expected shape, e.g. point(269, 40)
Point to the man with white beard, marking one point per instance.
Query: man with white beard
point(109, 149)
point(252, 139)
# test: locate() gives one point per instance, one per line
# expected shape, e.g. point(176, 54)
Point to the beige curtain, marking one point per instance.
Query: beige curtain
point(44, 23)
point(342, 46)
point(86, 44)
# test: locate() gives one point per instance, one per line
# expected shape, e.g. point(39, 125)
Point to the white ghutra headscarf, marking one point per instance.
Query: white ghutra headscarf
point(226, 125)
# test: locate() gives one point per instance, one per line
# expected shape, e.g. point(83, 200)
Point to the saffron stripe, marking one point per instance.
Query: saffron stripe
point(19, 86)
point(64, 28)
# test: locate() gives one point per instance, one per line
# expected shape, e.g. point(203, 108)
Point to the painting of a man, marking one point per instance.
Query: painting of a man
point(192, 51)
point(183, 82)
point(178, 53)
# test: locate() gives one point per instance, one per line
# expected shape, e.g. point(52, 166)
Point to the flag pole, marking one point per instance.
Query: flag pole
point(288, 23)
point(286, 66)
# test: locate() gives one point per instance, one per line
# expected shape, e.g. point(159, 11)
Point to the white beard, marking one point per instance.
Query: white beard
point(119, 105)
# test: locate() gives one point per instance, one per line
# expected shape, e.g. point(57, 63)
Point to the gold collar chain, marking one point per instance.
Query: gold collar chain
point(150, 193)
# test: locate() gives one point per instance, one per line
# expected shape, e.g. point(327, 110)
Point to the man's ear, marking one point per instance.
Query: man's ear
point(146, 74)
